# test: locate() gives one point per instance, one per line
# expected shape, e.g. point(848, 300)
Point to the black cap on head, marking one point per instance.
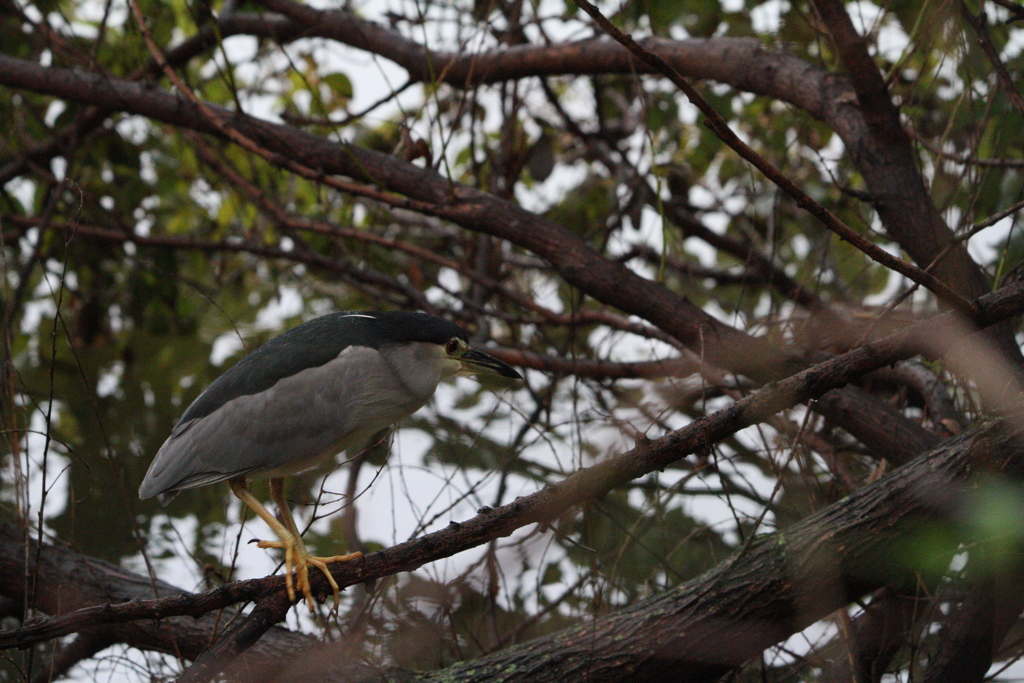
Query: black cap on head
point(396, 327)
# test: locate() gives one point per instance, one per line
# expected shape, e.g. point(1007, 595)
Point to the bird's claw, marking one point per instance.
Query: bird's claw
point(296, 556)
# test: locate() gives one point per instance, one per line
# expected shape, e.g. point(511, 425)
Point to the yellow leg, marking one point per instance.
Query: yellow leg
point(295, 553)
point(301, 565)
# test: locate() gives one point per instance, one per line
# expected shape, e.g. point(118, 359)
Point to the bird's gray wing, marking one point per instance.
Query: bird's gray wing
point(312, 344)
point(286, 428)
point(309, 345)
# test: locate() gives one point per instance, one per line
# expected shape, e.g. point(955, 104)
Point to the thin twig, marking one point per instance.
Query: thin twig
point(540, 507)
point(721, 128)
point(979, 23)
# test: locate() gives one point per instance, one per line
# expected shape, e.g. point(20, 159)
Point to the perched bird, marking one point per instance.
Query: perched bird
point(321, 388)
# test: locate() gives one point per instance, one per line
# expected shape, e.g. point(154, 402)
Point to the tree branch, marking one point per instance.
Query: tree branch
point(936, 335)
point(773, 587)
point(721, 128)
point(575, 260)
point(882, 152)
point(980, 25)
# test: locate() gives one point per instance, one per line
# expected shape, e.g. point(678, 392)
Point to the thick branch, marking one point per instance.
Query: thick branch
point(68, 581)
point(881, 428)
point(575, 260)
point(717, 123)
point(887, 162)
point(882, 151)
point(773, 587)
point(935, 335)
point(873, 136)
point(776, 586)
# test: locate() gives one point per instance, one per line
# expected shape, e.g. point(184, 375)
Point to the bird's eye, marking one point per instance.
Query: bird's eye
point(451, 347)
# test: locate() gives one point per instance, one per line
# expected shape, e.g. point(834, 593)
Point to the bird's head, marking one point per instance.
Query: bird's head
point(422, 349)
point(462, 359)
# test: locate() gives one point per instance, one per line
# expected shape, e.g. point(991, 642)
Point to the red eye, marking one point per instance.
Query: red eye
point(451, 347)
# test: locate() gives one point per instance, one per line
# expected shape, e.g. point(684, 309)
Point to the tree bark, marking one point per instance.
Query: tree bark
point(771, 588)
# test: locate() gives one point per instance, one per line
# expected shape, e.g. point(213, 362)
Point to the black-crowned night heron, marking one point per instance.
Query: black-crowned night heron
point(321, 388)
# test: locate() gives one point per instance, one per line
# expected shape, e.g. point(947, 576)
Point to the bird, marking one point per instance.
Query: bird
point(321, 388)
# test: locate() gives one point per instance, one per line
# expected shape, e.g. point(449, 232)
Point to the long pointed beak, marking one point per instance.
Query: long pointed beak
point(482, 364)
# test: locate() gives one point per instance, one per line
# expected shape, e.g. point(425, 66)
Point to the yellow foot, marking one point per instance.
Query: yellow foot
point(296, 555)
